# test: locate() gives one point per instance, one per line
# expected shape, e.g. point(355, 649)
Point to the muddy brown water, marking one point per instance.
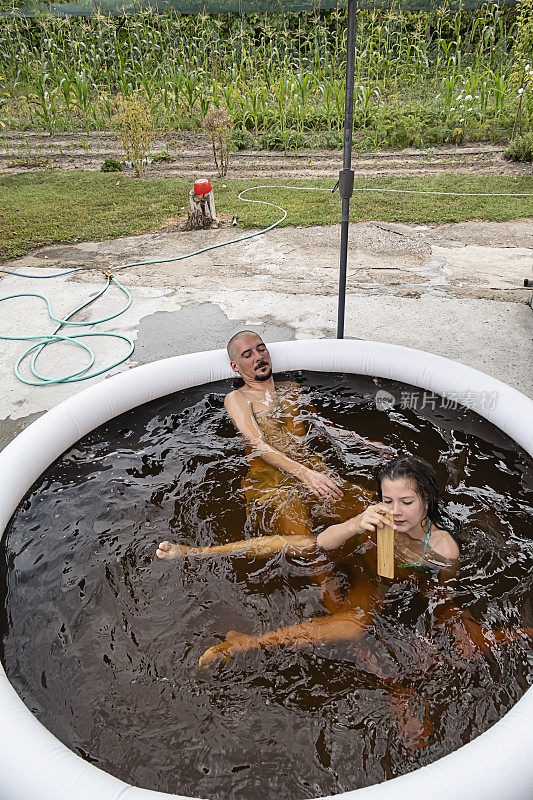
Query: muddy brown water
point(101, 640)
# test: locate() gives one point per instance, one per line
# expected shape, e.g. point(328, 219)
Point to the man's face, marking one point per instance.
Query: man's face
point(252, 359)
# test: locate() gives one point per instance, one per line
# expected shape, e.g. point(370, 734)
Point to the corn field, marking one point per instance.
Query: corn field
point(421, 78)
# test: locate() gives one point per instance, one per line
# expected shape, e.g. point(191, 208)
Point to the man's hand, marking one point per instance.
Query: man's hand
point(325, 488)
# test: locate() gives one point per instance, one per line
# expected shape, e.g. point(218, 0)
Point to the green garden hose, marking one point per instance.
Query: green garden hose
point(45, 340)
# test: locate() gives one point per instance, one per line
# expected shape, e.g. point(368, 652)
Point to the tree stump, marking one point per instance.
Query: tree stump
point(202, 212)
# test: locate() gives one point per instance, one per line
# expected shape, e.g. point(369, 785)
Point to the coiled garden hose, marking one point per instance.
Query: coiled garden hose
point(44, 340)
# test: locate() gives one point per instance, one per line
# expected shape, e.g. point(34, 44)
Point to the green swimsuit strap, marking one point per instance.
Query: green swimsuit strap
point(426, 543)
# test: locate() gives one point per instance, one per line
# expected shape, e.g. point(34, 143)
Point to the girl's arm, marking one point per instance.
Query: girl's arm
point(368, 521)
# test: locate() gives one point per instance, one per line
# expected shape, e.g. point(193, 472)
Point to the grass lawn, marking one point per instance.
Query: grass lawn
point(50, 207)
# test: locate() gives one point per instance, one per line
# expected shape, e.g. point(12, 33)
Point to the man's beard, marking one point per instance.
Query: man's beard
point(264, 377)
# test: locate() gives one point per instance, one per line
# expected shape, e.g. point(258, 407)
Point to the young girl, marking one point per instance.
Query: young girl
point(425, 553)
point(406, 487)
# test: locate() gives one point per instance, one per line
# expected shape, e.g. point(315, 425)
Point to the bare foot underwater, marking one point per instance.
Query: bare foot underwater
point(171, 551)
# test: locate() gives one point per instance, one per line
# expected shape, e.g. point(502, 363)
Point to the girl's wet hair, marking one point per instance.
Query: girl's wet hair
point(421, 476)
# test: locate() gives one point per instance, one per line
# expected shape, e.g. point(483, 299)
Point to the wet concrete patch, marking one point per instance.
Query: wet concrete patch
point(9, 428)
point(196, 327)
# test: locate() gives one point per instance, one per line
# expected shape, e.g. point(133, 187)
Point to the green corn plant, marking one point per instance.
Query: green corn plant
point(43, 101)
point(365, 95)
point(448, 92)
point(339, 92)
point(281, 91)
point(302, 87)
point(204, 101)
point(190, 93)
point(499, 89)
point(65, 87)
point(168, 100)
point(215, 93)
point(229, 94)
point(264, 100)
point(326, 90)
point(81, 87)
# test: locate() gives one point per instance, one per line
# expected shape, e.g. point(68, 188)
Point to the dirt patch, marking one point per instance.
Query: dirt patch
point(191, 154)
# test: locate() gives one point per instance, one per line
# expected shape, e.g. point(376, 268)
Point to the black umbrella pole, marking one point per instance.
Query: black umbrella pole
point(346, 175)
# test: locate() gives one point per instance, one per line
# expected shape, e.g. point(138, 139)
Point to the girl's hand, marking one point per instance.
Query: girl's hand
point(372, 518)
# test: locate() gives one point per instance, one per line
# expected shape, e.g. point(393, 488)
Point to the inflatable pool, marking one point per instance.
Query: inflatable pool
point(34, 764)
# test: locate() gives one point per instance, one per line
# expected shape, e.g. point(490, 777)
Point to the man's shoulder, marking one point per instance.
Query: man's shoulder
point(235, 398)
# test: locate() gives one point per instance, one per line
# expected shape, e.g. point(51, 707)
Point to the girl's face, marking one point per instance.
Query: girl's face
point(408, 508)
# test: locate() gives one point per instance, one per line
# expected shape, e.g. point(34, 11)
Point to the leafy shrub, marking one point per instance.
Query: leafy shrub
point(111, 165)
point(520, 149)
point(219, 124)
point(240, 140)
point(282, 140)
point(330, 140)
point(133, 125)
point(272, 140)
point(162, 157)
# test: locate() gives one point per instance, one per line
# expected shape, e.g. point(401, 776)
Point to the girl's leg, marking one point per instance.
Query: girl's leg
point(261, 546)
point(317, 630)
point(290, 520)
point(291, 526)
point(349, 623)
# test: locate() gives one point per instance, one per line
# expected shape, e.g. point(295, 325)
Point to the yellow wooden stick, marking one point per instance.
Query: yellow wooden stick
point(385, 539)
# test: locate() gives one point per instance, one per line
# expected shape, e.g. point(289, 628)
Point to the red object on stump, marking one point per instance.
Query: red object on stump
point(202, 212)
point(202, 186)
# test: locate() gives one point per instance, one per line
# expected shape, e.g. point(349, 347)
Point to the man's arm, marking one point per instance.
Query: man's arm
point(310, 416)
point(240, 411)
point(335, 430)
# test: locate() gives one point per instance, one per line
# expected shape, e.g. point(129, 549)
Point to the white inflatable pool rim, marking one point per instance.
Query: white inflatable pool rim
point(34, 765)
